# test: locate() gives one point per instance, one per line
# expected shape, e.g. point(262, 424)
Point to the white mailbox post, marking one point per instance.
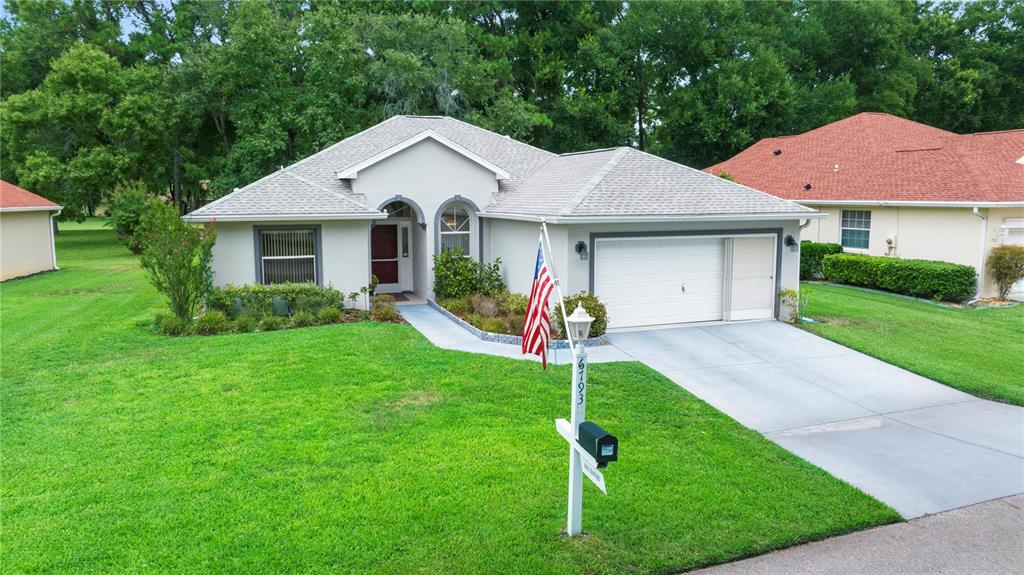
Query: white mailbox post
point(579, 328)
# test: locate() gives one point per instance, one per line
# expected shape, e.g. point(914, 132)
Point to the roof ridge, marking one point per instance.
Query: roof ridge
point(993, 132)
point(594, 151)
point(589, 187)
point(684, 166)
point(500, 135)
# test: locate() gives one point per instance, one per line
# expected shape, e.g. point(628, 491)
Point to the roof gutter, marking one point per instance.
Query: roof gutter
point(32, 209)
point(283, 217)
point(651, 219)
point(913, 204)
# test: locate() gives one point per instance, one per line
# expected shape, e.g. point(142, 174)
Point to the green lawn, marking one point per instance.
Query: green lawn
point(353, 448)
point(980, 351)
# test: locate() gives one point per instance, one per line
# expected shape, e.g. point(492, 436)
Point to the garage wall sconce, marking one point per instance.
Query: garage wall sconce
point(791, 243)
point(582, 251)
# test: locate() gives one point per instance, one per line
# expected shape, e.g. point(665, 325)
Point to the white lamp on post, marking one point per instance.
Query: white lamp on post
point(579, 328)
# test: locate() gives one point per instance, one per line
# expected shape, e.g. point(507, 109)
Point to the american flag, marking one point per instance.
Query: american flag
point(537, 328)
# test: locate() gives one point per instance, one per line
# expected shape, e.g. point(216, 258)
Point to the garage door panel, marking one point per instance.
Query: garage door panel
point(641, 281)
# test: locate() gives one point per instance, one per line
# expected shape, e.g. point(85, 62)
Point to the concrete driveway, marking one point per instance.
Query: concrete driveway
point(915, 444)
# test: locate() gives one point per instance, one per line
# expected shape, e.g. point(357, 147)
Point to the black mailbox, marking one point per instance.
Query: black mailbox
point(600, 444)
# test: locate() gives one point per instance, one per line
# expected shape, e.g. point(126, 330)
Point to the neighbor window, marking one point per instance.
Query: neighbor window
point(455, 228)
point(288, 256)
point(856, 229)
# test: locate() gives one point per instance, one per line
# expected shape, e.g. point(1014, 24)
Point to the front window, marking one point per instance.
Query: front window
point(288, 256)
point(856, 229)
point(455, 228)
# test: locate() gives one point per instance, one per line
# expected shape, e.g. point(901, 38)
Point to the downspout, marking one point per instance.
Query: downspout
point(53, 240)
point(981, 250)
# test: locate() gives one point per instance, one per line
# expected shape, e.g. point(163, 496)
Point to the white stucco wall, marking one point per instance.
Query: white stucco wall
point(942, 234)
point(345, 253)
point(26, 243)
point(429, 174)
point(516, 243)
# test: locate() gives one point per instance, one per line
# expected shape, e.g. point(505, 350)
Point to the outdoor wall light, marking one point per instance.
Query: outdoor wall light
point(581, 249)
point(791, 243)
point(579, 323)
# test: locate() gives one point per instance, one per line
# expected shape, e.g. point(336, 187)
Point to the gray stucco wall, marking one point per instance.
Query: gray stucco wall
point(515, 243)
point(345, 253)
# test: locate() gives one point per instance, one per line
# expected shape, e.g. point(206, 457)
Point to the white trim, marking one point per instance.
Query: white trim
point(923, 204)
point(652, 219)
point(32, 209)
point(283, 217)
point(53, 240)
point(352, 172)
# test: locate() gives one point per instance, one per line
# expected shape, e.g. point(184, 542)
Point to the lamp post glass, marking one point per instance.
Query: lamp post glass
point(579, 323)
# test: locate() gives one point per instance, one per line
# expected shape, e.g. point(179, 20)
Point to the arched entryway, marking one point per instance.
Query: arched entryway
point(394, 245)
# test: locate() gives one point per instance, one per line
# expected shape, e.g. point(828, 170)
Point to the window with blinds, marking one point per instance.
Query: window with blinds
point(288, 256)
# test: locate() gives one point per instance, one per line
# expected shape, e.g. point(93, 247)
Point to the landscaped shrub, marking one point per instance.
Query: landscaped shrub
point(212, 322)
point(512, 304)
point(176, 255)
point(811, 258)
point(259, 299)
point(384, 308)
point(483, 305)
point(271, 323)
point(246, 323)
point(303, 318)
point(1006, 265)
point(456, 275)
point(591, 304)
point(173, 325)
point(127, 203)
point(459, 306)
point(328, 315)
point(919, 278)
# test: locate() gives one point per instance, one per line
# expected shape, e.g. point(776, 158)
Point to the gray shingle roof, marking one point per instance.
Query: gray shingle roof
point(602, 183)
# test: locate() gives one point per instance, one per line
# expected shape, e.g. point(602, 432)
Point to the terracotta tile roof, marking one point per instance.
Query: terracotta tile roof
point(13, 197)
point(879, 157)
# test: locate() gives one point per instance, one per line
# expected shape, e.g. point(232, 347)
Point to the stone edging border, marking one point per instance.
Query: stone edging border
point(507, 338)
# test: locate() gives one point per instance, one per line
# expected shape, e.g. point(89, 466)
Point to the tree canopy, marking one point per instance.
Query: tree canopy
point(196, 97)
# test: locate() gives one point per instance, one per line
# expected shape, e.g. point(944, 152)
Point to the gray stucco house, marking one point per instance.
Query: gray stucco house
point(658, 242)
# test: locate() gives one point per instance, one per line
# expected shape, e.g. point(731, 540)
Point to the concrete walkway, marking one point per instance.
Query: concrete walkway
point(917, 445)
point(983, 539)
point(446, 334)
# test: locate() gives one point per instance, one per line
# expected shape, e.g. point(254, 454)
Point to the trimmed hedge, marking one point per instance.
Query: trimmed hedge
point(276, 299)
point(918, 278)
point(812, 257)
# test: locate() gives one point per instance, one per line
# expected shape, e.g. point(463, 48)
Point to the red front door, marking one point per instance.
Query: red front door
point(384, 253)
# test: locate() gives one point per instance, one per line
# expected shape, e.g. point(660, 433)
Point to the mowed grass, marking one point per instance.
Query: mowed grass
point(979, 350)
point(354, 448)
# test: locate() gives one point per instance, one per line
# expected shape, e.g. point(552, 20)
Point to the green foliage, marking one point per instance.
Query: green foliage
point(384, 308)
point(504, 312)
point(271, 323)
point(918, 278)
point(456, 275)
point(257, 299)
point(177, 258)
point(1006, 265)
point(303, 318)
point(790, 300)
point(246, 323)
point(513, 304)
point(328, 315)
point(126, 205)
point(812, 255)
point(591, 304)
point(174, 326)
point(212, 322)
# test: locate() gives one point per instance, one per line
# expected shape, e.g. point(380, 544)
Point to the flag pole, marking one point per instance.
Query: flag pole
point(558, 287)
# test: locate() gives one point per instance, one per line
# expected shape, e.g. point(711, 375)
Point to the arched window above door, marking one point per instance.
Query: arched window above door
point(455, 227)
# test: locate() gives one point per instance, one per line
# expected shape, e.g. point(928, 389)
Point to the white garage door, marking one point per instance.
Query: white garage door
point(683, 279)
point(652, 281)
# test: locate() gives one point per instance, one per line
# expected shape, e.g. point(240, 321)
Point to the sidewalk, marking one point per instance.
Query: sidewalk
point(445, 333)
point(983, 539)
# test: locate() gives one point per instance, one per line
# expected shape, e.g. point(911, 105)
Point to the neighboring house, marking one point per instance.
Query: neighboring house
point(895, 187)
point(26, 232)
point(658, 242)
